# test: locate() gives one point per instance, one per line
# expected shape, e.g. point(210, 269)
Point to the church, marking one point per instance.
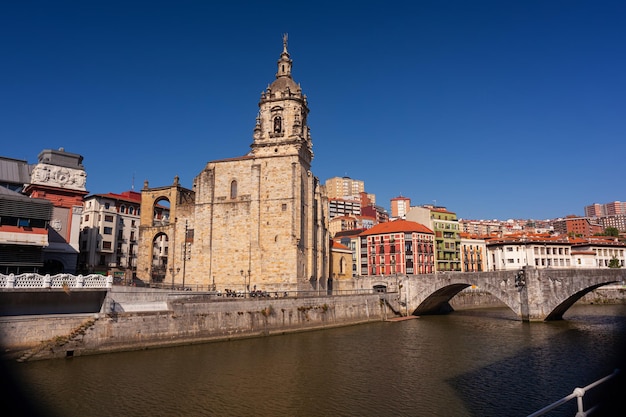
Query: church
point(258, 221)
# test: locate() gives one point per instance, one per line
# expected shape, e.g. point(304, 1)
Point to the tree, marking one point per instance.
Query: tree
point(614, 263)
point(611, 231)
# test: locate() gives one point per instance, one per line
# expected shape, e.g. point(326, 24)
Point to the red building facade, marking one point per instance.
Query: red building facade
point(399, 247)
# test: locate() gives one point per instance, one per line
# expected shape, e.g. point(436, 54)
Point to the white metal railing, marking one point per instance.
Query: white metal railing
point(578, 393)
point(32, 280)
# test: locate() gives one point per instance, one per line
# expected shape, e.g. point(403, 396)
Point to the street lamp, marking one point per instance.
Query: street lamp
point(174, 272)
point(246, 283)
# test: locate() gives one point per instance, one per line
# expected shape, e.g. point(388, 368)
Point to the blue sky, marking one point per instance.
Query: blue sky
point(494, 109)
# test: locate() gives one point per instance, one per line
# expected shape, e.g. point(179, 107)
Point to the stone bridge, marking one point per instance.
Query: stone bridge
point(533, 294)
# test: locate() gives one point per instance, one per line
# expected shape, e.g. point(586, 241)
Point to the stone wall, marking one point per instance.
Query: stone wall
point(179, 319)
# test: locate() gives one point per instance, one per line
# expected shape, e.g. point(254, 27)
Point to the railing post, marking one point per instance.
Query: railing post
point(80, 281)
point(580, 393)
point(11, 281)
point(47, 281)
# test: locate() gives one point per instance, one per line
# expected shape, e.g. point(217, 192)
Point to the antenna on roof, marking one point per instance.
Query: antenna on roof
point(132, 185)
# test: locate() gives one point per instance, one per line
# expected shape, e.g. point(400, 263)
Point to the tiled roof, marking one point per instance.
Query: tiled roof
point(130, 196)
point(348, 233)
point(337, 245)
point(397, 226)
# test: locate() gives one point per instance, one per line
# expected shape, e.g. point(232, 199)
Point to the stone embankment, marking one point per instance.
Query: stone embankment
point(133, 319)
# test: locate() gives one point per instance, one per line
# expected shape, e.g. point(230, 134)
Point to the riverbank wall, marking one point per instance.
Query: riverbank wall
point(135, 320)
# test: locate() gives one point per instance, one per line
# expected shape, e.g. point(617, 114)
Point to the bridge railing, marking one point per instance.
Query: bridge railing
point(578, 393)
point(32, 280)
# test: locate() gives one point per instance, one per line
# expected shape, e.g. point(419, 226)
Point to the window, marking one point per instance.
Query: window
point(108, 218)
point(106, 245)
point(108, 230)
point(86, 217)
point(107, 205)
point(233, 189)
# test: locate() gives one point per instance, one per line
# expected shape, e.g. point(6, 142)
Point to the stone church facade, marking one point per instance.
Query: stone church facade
point(255, 221)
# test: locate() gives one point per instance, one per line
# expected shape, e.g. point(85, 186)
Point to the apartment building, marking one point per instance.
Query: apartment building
point(397, 247)
point(338, 207)
point(577, 226)
point(618, 222)
point(473, 253)
point(109, 234)
point(445, 225)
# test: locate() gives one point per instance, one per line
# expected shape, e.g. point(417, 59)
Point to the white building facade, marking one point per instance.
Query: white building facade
point(109, 234)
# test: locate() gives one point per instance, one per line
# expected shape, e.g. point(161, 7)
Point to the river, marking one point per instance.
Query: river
point(479, 362)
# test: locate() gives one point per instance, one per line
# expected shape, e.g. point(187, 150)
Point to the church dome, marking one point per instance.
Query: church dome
point(284, 83)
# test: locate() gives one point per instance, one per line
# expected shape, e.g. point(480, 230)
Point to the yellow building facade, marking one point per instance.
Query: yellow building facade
point(256, 220)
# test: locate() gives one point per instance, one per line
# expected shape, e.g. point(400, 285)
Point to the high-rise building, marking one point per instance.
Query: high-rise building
point(609, 209)
point(594, 210)
point(400, 206)
point(344, 187)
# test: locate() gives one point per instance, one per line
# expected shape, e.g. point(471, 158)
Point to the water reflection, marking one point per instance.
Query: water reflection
point(469, 363)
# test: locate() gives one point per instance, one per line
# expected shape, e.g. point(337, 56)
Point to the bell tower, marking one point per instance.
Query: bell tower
point(281, 126)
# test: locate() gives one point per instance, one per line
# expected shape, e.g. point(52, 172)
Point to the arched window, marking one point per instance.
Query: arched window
point(277, 124)
point(233, 189)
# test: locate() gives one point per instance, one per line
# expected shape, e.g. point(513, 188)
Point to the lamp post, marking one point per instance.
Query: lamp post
point(246, 284)
point(174, 272)
point(184, 253)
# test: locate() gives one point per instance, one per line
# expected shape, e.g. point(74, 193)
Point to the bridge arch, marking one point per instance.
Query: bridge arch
point(435, 298)
point(557, 311)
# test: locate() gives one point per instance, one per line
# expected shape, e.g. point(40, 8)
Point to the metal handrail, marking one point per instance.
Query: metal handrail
point(578, 393)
